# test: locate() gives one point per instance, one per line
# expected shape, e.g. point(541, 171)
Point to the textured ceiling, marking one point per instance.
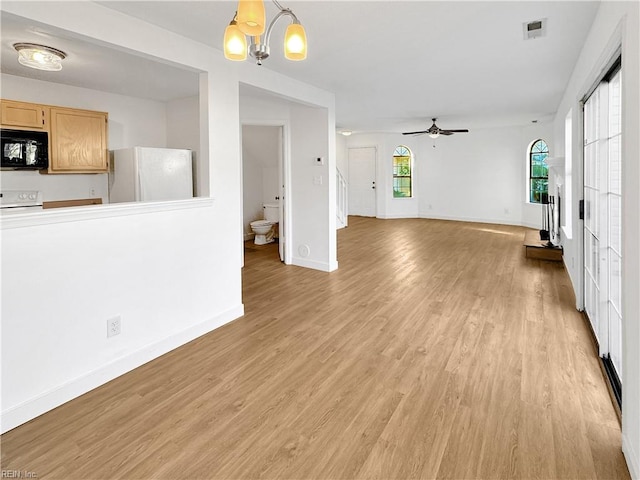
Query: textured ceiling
point(392, 65)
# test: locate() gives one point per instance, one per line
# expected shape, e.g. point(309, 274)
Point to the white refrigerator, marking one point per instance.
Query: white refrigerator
point(144, 174)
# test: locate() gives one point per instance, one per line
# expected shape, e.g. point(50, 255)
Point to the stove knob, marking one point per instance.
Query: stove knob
point(22, 196)
point(32, 196)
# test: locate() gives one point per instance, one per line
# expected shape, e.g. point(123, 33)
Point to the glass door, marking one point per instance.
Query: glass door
point(592, 234)
point(603, 220)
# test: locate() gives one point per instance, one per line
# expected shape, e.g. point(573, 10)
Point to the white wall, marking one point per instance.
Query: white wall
point(139, 267)
point(261, 153)
point(617, 23)
point(183, 131)
point(138, 261)
point(314, 231)
point(478, 176)
point(473, 176)
point(132, 121)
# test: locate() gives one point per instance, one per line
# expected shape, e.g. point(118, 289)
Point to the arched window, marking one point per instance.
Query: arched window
point(538, 171)
point(402, 172)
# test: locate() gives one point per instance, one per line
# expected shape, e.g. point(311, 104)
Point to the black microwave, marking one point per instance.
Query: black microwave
point(24, 149)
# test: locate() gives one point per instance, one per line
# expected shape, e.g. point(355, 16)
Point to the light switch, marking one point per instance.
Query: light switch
point(319, 161)
point(317, 179)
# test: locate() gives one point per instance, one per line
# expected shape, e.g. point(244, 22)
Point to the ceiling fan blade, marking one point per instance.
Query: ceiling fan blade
point(455, 131)
point(445, 132)
point(415, 133)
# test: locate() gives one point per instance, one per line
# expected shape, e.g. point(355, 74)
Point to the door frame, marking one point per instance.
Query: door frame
point(284, 169)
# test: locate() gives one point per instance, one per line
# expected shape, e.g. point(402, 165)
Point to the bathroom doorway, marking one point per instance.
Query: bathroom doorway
point(263, 182)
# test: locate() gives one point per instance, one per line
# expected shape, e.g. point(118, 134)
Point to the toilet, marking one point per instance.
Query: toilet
point(264, 229)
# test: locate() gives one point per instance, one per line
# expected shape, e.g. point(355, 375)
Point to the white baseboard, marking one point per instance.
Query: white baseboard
point(631, 458)
point(249, 236)
point(494, 221)
point(395, 217)
point(322, 266)
point(531, 225)
point(55, 397)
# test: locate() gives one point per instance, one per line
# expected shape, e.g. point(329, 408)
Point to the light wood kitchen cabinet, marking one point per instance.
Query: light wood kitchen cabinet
point(78, 141)
point(24, 115)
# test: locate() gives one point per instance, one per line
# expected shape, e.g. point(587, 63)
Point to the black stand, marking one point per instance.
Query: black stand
point(544, 231)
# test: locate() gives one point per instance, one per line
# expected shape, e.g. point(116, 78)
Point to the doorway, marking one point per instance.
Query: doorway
point(603, 220)
point(362, 181)
point(263, 179)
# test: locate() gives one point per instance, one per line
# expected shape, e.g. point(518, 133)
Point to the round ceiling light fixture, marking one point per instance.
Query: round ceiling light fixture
point(40, 57)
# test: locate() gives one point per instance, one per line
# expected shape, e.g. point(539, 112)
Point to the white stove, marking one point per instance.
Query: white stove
point(20, 201)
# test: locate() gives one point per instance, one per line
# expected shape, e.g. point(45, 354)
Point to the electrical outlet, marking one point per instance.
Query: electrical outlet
point(92, 192)
point(114, 326)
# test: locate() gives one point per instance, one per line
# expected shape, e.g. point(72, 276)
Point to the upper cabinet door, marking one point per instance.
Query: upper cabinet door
point(78, 141)
point(23, 115)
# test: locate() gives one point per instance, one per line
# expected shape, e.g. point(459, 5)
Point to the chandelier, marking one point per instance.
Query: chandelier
point(249, 21)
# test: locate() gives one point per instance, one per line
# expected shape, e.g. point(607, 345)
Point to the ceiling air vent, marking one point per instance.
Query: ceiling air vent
point(535, 29)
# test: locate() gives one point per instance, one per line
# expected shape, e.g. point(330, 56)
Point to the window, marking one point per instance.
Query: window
point(402, 172)
point(538, 171)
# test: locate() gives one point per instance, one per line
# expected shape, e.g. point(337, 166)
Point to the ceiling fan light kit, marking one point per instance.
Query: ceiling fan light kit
point(295, 42)
point(251, 17)
point(249, 21)
point(235, 42)
point(434, 131)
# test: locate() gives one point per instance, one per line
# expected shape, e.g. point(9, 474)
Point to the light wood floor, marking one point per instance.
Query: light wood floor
point(435, 351)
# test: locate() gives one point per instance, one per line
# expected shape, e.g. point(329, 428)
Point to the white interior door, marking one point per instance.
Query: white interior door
point(281, 197)
point(362, 181)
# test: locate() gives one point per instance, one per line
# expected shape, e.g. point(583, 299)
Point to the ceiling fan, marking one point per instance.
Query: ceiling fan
point(435, 131)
